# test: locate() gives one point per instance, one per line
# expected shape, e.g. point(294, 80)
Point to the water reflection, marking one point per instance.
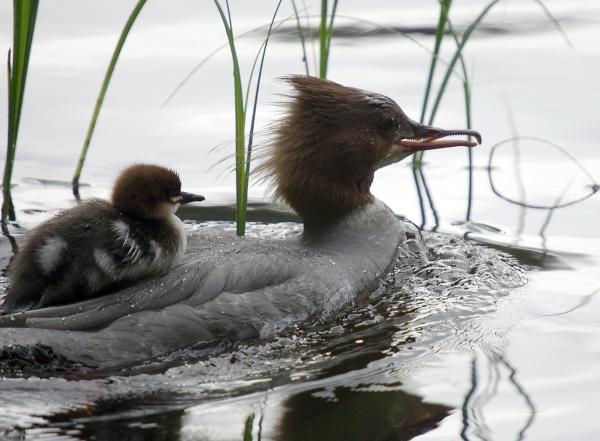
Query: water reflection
point(483, 389)
point(164, 426)
point(345, 414)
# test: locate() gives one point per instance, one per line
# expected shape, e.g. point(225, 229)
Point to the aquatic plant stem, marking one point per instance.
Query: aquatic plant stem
point(301, 36)
point(212, 54)
point(415, 173)
point(253, 117)
point(457, 54)
point(439, 36)
point(325, 35)
point(417, 159)
point(322, 40)
point(107, 77)
point(467, 95)
point(24, 17)
point(240, 121)
point(463, 41)
point(8, 209)
point(242, 155)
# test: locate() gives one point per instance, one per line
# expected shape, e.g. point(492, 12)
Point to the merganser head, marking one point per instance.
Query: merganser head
point(149, 192)
point(332, 140)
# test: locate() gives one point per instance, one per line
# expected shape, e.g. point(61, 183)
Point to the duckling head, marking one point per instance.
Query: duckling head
point(149, 192)
point(333, 138)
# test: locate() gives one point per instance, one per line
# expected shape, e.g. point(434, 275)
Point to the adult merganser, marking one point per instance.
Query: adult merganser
point(322, 160)
point(97, 244)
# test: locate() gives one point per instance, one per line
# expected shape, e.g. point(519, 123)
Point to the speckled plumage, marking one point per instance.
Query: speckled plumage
point(85, 250)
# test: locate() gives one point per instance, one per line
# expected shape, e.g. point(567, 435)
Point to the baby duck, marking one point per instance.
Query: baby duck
point(99, 244)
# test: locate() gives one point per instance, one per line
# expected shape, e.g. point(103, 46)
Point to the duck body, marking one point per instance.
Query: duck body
point(224, 288)
point(322, 161)
point(86, 249)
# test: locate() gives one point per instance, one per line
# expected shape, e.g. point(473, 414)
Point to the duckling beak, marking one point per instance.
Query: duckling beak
point(190, 197)
point(427, 138)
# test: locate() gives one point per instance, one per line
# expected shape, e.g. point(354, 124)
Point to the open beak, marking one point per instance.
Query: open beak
point(428, 138)
point(190, 197)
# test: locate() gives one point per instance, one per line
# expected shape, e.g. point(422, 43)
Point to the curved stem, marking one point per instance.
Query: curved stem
point(102, 94)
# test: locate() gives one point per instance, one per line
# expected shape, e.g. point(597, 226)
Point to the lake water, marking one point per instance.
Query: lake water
point(518, 362)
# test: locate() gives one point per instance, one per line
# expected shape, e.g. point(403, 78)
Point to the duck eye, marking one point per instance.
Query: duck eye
point(389, 123)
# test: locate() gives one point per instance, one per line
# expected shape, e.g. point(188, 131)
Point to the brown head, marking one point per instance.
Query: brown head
point(326, 149)
point(149, 192)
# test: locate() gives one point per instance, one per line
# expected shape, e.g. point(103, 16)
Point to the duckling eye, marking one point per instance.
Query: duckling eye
point(389, 123)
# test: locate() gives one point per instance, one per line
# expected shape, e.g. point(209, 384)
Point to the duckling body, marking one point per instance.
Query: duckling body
point(322, 161)
point(85, 250)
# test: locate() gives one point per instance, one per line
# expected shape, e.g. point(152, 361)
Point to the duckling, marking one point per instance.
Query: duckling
point(97, 245)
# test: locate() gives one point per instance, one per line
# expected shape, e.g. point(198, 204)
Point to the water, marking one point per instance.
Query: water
point(512, 360)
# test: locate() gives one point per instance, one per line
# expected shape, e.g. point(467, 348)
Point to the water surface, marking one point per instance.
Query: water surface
point(513, 354)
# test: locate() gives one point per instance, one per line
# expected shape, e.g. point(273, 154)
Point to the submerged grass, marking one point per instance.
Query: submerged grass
point(24, 17)
point(103, 89)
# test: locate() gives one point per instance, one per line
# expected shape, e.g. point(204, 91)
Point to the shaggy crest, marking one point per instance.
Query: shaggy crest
point(325, 149)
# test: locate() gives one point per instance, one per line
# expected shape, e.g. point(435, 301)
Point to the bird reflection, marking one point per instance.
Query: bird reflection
point(353, 414)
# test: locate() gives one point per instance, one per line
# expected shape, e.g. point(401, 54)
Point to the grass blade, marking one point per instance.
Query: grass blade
point(418, 157)
point(439, 36)
point(458, 54)
point(207, 58)
point(467, 95)
point(103, 89)
point(240, 121)
point(456, 57)
point(322, 40)
point(24, 17)
point(301, 36)
point(325, 35)
point(554, 21)
point(253, 117)
point(260, 52)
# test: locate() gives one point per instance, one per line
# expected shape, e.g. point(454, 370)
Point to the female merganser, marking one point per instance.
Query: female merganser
point(322, 161)
point(97, 244)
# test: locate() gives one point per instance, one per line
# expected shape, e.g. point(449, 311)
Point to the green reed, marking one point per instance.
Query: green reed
point(243, 153)
point(24, 16)
point(325, 35)
point(302, 37)
point(444, 24)
point(107, 77)
point(468, 118)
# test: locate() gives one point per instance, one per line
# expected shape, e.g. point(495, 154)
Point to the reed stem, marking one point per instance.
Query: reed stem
point(24, 17)
point(102, 94)
point(325, 35)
